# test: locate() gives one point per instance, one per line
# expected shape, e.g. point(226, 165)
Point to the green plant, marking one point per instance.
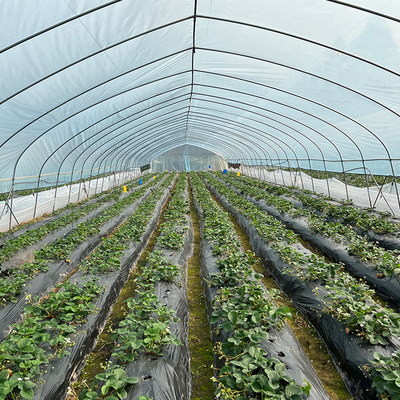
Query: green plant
point(386, 373)
point(114, 387)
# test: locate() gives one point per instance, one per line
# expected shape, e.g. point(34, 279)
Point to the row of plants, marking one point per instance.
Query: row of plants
point(49, 325)
point(174, 227)
point(11, 246)
point(242, 313)
point(360, 218)
point(107, 255)
point(386, 262)
point(340, 296)
point(146, 328)
point(13, 280)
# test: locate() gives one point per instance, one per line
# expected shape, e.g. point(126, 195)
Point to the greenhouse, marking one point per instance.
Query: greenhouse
point(200, 200)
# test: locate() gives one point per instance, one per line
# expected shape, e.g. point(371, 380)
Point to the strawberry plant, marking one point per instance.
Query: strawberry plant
point(114, 388)
point(386, 373)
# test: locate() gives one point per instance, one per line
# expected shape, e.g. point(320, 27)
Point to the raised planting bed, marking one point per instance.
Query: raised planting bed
point(151, 342)
point(256, 354)
point(58, 331)
point(55, 261)
point(380, 268)
point(378, 227)
point(342, 309)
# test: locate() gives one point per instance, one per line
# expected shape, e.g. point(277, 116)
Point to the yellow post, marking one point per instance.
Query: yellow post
point(238, 173)
point(154, 177)
point(124, 189)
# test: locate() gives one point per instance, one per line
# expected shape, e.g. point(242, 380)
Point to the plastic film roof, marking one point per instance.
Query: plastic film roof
point(94, 86)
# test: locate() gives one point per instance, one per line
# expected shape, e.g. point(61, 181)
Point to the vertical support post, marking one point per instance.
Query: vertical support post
point(36, 197)
point(11, 202)
point(55, 191)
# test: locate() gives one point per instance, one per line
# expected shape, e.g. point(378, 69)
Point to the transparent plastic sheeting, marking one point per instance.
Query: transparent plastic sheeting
point(188, 158)
point(386, 200)
point(48, 200)
point(118, 82)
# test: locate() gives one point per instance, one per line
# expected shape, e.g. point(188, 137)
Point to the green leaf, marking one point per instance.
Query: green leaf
point(27, 394)
point(119, 373)
point(233, 316)
point(91, 395)
point(256, 387)
point(292, 390)
point(231, 383)
point(131, 381)
point(253, 350)
point(273, 375)
point(122, 394)
point(227, 326)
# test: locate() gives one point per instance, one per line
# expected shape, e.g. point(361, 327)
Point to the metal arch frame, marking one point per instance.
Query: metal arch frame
point(134, 138)
point(253, 58)
point(93, 125)
point(69, 117)
point(288, 126)
point(146, 154)
point(144, 139)
point(114, 123)
point(65, 21)
point(117, 122)
point(91, 137)
point(230, 134)
point(194, 16)
point(188, 71)
point(201, 128)
point(342, 3)
point(390, 160)
point(98, 102)
point(255, 130)
point(111, 132)
point(115, 147)
point(118, 144)
point(104, 49)
point(279, 122)
point(220, 143)
point(325, 80)
point(111, 150)
point(275, 128)
point(127, 123)
point(263, 149)
point(130, 106)
point(246, 93)
point(122, 133)
point(306, 99)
